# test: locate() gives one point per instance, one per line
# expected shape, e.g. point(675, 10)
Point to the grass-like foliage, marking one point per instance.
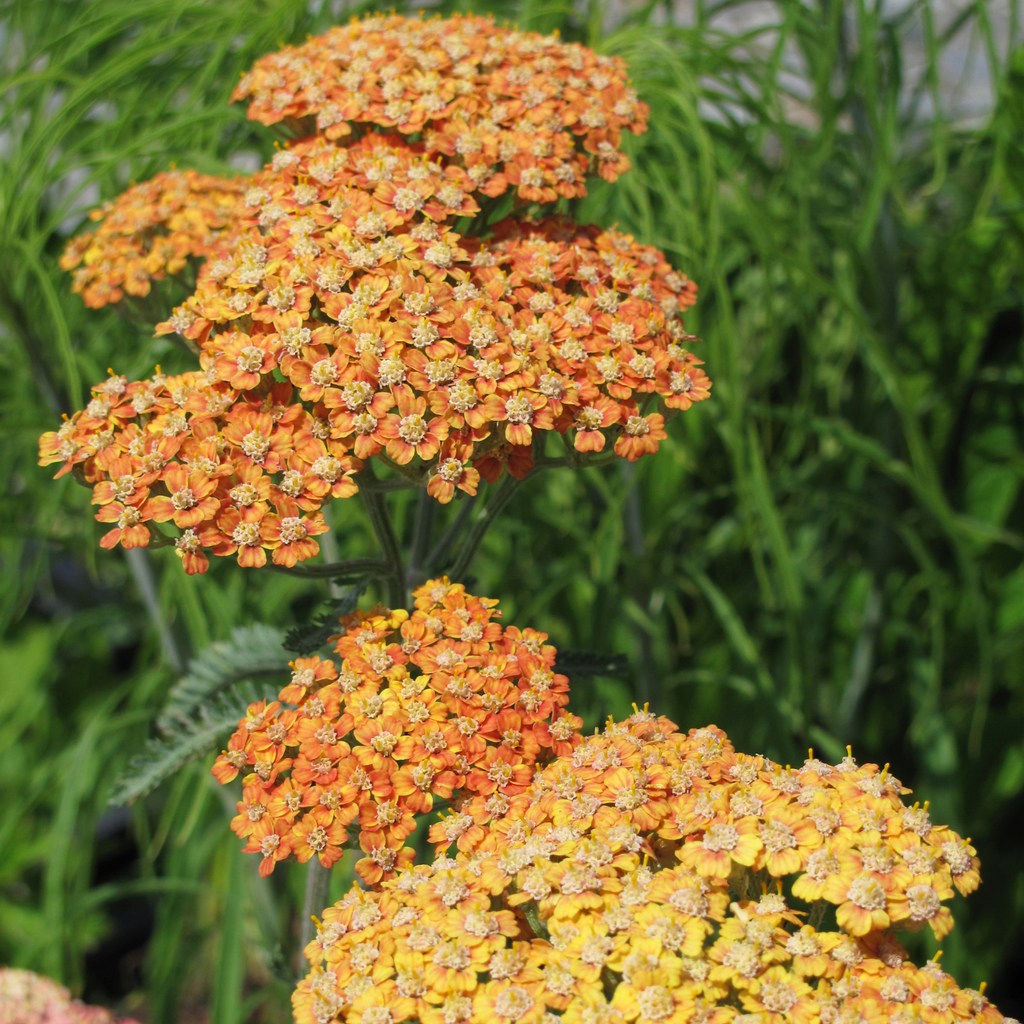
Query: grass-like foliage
point(829, 553)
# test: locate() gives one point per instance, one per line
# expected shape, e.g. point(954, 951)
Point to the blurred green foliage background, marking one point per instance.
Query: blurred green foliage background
point(829, 551)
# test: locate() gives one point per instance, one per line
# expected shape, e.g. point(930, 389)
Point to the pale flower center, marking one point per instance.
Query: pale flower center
point(357, 394)
point(721, 837)
point(513, 1002)
point(292, 529)
point(518, 409)
point(317, 839)
point(589, 418)
point(462, 396)
point(450, 470)
point(183, 499)
point(128, 518)
point(327, 468)
point(680, 383)
point(656, 1002)
point(246, 535)
point(243, 494)
point(923, 902)
point(256, 445)
point(778, 996)
point(777, 836)
point(637, 426)
point(324, 372)
point(412, 429)
point(868, 894)
point(282, 297)
point(250, 359)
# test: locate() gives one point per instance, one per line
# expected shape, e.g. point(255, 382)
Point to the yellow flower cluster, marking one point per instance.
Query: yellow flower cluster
point(516, 109)
point(150, 231)
point(426, 705)
point(645, 876)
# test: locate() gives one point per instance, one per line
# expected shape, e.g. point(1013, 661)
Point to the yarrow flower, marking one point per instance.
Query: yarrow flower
point(349, 309)
point(516, 109)
point(446, 370)
point(237, 474)
point(439, 704)
point(545, 326)
point(600, 896)
point(340, 316)
point(150, 232)
point(28, 998)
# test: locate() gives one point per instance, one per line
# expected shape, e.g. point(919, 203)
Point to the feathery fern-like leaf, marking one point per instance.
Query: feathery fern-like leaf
point(252, 651)
point(311, 637)
point(184, 741)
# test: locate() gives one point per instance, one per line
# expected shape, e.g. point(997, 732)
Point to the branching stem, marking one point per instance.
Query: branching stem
point(437, 557)
point(385, 532)
point(375, 567)
point(479, 528)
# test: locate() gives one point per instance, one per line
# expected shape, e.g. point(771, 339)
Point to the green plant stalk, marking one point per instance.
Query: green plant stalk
point(318, 887)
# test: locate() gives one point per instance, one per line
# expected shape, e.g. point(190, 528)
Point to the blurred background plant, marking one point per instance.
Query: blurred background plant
point(827, 552)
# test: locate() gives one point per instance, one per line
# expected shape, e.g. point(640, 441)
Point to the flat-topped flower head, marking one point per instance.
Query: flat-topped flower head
point(239, 475)
point(149, 232)
point(444, 355)
point(583, 902)
point(440, 704)
point(515, 109)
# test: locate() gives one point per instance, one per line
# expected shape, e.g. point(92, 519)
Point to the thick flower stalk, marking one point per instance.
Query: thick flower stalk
point(653, 876)
point(149, 232)
point(440, 704)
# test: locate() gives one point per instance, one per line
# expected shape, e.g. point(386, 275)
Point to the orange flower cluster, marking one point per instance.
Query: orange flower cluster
point(237, 474)
point(150, 231)
point(638, 878)
point(341, 316)
point(515, 109)
point(424, 706)
point(416, 342)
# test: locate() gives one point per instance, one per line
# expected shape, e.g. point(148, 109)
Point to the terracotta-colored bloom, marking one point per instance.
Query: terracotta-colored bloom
point(191, 500)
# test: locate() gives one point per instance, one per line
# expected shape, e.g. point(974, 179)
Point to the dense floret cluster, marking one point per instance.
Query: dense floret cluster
point(652, 876)
point(444, 357)
point(149, 232)
point(517, 109)
point(177, 449)
point(357, 301)
point(350, 283)
point(440, 704)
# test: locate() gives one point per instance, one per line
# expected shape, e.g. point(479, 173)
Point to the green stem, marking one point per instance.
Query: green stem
point(437, 558)
point(479, 528)
point(318, 889)
point(383, 486)
point(422, 530)
point(532, 912)
point(385, 533)
point(375, 567)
